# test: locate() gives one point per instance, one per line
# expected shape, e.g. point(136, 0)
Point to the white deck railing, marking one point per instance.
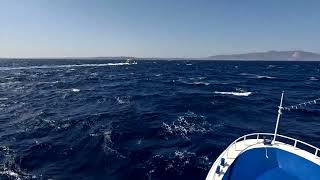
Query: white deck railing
point(262, 136)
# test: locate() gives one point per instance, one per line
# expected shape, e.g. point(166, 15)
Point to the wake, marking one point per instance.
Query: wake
point(64, 66)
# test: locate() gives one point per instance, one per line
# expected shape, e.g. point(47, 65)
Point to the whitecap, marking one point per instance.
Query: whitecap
point(107, 136)
point(10, 174)
point(264, 77)
point(271, 66)
point(3, 99)
point(94, 134)
point(201, 83)
point(189, 64)
point(246, 74)
point(9, 168)
point(183, 154)
point(313, 79)
point(119, 64)
point(176, 161)
point(257, 76)
point(169, 166)
point(66, 125)
point(194, 81)
point(197, 78)
point(49, 82)
point(123, 100)
point(139, 141)
point(187, 124)
point(75, 90)
point(234, 93)
point(204, 158)
point(108, 145)
point(46, 120)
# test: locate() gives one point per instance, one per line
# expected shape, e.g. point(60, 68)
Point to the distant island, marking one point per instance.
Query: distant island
point(271, 55)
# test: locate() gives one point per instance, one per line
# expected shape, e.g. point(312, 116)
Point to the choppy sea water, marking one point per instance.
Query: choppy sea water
point(72, 119)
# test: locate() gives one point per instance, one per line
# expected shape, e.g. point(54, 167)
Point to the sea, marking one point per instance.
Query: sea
point(150, 120)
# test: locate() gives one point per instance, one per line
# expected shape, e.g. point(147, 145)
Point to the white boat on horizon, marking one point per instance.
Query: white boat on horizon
point(131, 61)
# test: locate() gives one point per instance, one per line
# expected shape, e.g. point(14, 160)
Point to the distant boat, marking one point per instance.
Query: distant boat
point(265, 156)
point(131, 61)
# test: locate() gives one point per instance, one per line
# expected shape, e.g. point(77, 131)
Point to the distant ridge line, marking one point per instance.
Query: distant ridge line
point(271, 55)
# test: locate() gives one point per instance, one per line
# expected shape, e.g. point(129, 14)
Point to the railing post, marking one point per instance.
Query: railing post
point(295, 144)
point(316, 153)
point(278, 118)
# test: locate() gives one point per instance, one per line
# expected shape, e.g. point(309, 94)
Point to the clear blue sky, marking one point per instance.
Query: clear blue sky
point(157, 28)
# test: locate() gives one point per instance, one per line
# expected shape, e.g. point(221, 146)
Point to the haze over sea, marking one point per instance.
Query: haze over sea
point(72, 119)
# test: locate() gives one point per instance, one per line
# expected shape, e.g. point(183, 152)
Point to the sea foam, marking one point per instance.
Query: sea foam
point(313, 79)
point(234, 93)
point(64, 66)
point(257, 76)
point(75, 90)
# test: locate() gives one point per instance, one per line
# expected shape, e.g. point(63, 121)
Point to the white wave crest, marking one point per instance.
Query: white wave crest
point(108, 145)
point(234, 93)
point(75, 90)
point(9, 168)
point(139, 141)
point(194, 81)
point(187, 124)
point(271, 66)
point(264, 77)
point(313, 79)
point(48, 82)
point(11, 174)
point(182, 154)
point(123, 100)
point(201, 83)
point(64, 66)
point(107, 136)
point(257, 76)
point(245, 74)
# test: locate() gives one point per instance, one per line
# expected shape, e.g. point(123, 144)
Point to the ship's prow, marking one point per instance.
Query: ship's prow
point(265, 156)
point(254, 156)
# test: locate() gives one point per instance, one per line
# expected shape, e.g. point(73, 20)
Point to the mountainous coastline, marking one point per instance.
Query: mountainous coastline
point(270, 55)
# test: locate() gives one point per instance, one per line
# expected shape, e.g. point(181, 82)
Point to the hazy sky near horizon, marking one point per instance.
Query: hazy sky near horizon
point(156, 28)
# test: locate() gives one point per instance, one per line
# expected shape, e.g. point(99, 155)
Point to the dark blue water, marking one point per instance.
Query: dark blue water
point(152, 120)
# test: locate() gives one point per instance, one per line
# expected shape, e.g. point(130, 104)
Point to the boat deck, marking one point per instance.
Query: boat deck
point(244, 144)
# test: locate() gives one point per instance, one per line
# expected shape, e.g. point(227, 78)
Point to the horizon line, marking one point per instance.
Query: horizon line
point(156, 57)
